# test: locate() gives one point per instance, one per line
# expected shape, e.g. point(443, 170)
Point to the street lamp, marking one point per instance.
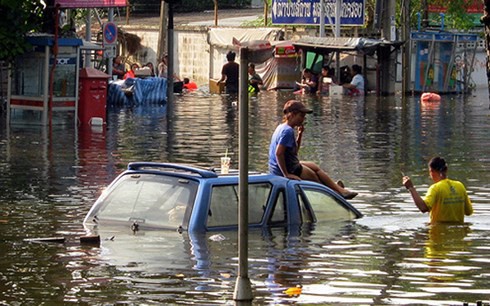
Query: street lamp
point(256, 52)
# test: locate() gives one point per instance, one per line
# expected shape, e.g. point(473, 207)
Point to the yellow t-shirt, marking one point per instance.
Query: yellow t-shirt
point(448, 202)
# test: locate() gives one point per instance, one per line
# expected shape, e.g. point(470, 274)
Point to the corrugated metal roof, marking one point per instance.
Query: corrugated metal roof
point(342, 43)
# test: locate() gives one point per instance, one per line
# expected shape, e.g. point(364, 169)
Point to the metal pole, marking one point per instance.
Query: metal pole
point(109, 61)
point(88, 37)
point(387, 58)
point(322, 18)
point(170, 64)
point(46, 86)
point(338, 6)
point(243, 289)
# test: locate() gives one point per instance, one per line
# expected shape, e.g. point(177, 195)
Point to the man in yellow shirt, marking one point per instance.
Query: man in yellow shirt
point(446, 200)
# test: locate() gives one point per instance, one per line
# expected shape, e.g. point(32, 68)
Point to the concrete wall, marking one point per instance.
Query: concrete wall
point(191, 51)
point(149, 41)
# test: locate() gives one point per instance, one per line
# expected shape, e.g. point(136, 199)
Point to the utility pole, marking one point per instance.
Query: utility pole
point(162, 33)
point(322, 18)
point(388, 62)
point(406, 51)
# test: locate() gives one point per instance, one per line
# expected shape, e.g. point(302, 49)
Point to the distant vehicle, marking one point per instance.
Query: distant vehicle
point(186, 198)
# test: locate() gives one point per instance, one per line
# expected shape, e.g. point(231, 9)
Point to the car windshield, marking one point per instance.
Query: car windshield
point(148, 199)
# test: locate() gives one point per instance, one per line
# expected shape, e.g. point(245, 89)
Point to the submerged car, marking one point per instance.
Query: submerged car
point(187, 198)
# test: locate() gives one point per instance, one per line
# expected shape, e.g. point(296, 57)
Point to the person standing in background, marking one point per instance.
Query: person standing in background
point(326, 78)
point(230, 73)
point(356, 85)
point(118, 67)
point(189, 85)
point(446, 200)
point(152, 69)
point(162, 67)
point(131, 72)
point(309, 82)
point(254, 79)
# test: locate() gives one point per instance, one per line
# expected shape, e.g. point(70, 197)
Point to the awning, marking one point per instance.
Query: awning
point(342, 44)
point(87, 45)
point(223, 37)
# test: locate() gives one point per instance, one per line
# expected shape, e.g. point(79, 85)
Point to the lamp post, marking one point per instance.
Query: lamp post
point(243, 288)
point(257, 53)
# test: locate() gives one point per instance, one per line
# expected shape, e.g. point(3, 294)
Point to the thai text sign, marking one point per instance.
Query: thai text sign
point(90, 3)
point(308, 12)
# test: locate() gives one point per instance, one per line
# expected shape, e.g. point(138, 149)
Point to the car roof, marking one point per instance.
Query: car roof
point(187, 171)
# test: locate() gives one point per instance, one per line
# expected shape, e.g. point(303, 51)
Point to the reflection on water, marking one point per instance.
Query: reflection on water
point(50, 178)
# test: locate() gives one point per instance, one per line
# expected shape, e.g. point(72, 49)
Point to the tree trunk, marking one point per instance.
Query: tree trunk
point(128, 8)
point(485, 19)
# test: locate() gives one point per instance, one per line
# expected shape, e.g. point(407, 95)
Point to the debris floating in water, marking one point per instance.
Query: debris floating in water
point(47, 239)
point(217, 237)
point(294, 291)
point(90, 239)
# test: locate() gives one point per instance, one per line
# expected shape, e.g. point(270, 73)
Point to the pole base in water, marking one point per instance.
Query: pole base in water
point(243, 289)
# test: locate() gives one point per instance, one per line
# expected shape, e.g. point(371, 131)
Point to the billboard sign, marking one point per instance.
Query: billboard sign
point(307, 12)
point(90, 3)
point(472, 7)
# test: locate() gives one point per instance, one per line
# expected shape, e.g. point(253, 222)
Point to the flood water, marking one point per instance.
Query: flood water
point(49, 178)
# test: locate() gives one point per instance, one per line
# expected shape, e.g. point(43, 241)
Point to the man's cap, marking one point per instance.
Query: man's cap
point(295, 105)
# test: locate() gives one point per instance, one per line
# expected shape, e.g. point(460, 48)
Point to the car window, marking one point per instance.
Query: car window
point(152, 200)
point(223, 209)
point(325, 206)
point(306, 214)
point(279, 213)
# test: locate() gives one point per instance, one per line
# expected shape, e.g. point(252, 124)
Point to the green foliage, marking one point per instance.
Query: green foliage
point(201, 5)
point(180, 6)
point(455, 15)
point(19, 17)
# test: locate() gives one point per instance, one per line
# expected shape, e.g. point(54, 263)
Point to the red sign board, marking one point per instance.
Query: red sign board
point(474, 6)
point(90, 3)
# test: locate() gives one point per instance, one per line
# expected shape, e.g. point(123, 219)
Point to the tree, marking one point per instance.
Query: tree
point(19, 17)
point(455, 11)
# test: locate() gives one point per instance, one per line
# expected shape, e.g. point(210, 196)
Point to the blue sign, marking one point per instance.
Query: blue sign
point(109, 32)
point(308, 12)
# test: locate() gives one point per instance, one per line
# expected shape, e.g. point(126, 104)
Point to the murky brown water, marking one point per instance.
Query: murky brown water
point(49, 179)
